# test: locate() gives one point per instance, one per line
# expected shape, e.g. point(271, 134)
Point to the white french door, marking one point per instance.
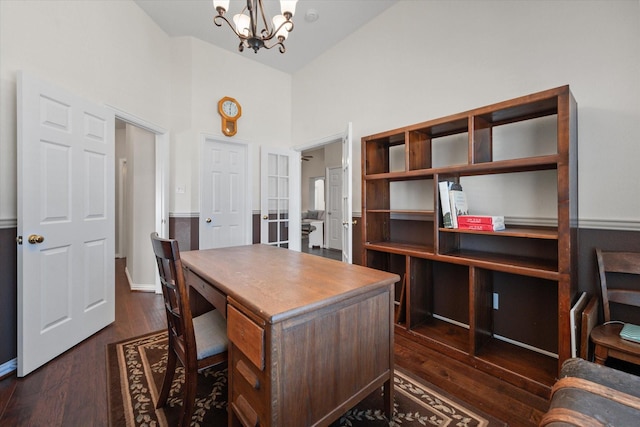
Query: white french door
point(280, 198)
point(66, 265)
point(347, 194)
point(334, 217)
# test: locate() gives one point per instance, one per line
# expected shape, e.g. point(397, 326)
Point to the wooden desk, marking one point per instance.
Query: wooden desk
point(309, 337)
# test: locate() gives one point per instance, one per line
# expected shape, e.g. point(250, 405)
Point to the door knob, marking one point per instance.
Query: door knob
point(208, 220)
point(265, 217)
point(35, 238)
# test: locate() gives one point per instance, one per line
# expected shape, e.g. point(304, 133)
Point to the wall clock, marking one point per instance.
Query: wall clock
point(230, 111)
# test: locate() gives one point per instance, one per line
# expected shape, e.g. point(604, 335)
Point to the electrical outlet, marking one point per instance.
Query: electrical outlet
point(496, 301)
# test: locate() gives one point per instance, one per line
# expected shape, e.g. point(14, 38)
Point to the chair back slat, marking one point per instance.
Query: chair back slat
point(617, 262)
point(625, 296)
point(622, 262)
point(175, 294)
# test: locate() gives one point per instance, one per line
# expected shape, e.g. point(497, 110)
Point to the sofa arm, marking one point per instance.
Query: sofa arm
point(588, 394)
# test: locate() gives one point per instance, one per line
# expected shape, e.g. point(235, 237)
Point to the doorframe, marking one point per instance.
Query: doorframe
point(121, 184)
point(204, 137)
point(162, 171)
point(336, 138)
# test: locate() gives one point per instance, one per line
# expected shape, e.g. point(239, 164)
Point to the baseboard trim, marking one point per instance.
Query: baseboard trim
point(139, 287)
point(8, 368)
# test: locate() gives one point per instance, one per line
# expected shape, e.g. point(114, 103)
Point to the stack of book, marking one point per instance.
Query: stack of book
point(455, 211)
point(481, 222)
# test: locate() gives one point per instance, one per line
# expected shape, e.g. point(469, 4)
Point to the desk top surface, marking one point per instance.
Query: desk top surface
point(278, 283)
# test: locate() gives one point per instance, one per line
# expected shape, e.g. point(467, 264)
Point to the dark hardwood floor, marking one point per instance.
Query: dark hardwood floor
point(323, 252)
point(72, 391)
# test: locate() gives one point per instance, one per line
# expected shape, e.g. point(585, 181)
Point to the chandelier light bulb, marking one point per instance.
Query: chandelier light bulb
point(283, 31)
point(288, 6)
point(221, 4)
point(242, 22)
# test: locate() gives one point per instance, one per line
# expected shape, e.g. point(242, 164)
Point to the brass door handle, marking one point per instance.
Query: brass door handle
point(265, 217)
point(35, 238)
point(208, 220)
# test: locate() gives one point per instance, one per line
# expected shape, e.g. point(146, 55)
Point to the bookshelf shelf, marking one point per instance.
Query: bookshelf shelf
point(450, 276)
point(512, 231)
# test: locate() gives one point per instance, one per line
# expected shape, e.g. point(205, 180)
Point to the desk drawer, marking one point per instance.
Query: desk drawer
point(250, 392)
point(246, 335)
point(207, 290)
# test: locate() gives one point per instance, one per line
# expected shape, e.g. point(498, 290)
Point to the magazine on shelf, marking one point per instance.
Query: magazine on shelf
point(444, 187)
point(458, 202)
point(482, 227)
point(480, 219)
point(574, 321)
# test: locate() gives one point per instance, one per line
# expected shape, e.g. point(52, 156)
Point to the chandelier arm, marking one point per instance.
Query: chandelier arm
point(218, 24)
point(275, 31)
point(280, 45)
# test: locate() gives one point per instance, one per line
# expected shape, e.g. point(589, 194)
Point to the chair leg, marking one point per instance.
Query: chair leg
point(168, 379)
point(189, 397)
point(600, 354)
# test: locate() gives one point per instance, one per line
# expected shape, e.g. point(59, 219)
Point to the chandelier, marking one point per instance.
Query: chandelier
point(253, 28)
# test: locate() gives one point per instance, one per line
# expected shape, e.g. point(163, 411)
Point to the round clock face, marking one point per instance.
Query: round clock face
point(230, 108)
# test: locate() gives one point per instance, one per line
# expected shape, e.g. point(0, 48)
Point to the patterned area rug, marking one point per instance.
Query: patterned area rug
point(135, 369)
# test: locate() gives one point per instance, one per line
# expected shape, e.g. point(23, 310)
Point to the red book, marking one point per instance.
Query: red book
point(482, 227)
point(480, 219)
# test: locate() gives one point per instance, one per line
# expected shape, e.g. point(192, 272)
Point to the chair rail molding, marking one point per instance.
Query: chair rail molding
point(9, 223)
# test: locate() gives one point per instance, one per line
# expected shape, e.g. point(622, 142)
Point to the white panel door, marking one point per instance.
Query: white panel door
point(347, 193)
point(280, 198)
point(334, 208)
point(66, 287)
point(225, 215)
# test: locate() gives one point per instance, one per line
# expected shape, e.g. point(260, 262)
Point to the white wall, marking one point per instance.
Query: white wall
point(121, 154)
point(140, 207)
point(418, 60)
point(112, 53)
point(422, 60)
point(109, 52)
point(212, 73)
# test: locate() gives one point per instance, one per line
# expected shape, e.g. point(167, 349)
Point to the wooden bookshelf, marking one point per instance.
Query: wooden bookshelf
point(451, 275)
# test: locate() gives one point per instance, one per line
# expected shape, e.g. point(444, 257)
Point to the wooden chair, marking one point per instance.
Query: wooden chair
point(197, 342)
point(606, 337)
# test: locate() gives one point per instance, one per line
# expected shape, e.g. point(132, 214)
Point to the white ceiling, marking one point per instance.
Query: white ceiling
point(337, 19)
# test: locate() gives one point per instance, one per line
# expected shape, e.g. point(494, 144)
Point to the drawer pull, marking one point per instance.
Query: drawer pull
point(248, 374)
point(245, 412)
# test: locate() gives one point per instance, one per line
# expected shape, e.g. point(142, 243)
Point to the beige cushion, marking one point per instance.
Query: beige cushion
point(210, 330)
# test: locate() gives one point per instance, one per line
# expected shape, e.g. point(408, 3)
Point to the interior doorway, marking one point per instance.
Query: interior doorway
point(134, 202)
point(156, 195)
point(316, 162)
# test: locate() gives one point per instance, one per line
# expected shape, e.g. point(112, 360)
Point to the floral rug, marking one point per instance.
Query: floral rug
point(135, 369)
